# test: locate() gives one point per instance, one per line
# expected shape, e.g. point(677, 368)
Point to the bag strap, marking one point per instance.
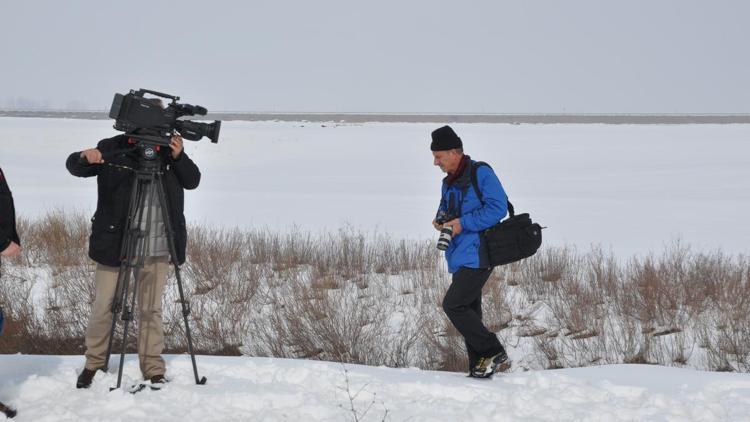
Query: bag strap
point(475, 183)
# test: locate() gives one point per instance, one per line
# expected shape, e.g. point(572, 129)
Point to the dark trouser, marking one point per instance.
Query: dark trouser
point(463, 305)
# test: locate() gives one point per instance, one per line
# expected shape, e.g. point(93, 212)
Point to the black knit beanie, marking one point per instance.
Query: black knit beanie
point(445, 138)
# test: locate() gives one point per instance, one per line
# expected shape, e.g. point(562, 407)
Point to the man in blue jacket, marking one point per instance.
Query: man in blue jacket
point(461, 209)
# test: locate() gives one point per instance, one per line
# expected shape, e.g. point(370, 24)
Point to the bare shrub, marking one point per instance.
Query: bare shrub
point(496, 311)
point(24, 328)
point(55, 257)
point(221, 279)
point(358, 414)
point(725, 332)
point(368, 298)
point(58, 239)
point(334, 325)
point(446, 346)
point(548, 355)
point(68, 301)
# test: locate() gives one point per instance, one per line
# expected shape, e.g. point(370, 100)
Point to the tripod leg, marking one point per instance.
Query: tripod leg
point(173, 255)
point(185, 312)
point(127, 316)
point(117, 306)
point(134, 260)
point(129, 244)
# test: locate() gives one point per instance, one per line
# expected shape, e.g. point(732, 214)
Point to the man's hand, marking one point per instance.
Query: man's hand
point(92, 156)
point(437, 226)
point(456, 224)
point(12, 250)
point(176, 145)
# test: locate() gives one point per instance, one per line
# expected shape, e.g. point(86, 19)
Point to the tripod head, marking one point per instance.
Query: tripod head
point(148, 157)
point(147, 151)
point(149, 139)
point(150, 144)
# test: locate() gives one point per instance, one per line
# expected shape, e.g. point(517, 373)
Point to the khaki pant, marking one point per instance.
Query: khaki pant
point(151, 280)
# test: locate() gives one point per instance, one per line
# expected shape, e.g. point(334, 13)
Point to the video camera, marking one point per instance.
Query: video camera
point(148, 120)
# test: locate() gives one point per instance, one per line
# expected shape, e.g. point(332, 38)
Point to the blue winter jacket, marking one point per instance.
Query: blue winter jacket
point(460, 200)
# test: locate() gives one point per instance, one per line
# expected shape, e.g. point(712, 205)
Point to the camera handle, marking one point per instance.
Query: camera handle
point(142, 91)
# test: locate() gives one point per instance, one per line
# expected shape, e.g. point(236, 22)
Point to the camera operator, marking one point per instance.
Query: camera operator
point(10, 246)
point(112, 162)
point(462, 216)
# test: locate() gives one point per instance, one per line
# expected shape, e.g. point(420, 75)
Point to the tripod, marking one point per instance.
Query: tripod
point(147, 192)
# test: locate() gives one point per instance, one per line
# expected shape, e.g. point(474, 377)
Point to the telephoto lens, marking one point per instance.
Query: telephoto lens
point(446, 234)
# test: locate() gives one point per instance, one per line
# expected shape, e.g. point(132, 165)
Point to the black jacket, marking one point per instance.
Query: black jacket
point(114, 188)
point(8, 231)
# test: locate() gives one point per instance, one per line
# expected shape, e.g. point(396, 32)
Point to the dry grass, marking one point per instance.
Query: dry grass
point(348, 297)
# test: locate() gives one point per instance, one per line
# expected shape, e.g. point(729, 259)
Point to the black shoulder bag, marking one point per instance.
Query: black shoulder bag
point(512, 239)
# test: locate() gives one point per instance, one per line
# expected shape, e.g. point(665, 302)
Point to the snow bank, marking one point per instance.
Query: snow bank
point(241, 388)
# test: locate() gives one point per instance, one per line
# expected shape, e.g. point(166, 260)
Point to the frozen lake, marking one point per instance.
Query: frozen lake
point(632, 188)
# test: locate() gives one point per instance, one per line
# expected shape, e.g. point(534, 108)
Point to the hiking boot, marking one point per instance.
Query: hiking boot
point(488, 365)
point(86, 378)
point(7, 410)
point(158, 381)
point(471, 369)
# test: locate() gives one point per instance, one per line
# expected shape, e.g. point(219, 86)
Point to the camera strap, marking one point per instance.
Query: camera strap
point(475, 183)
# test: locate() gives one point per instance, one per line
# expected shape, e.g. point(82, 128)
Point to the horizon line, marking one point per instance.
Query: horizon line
point(372, 117)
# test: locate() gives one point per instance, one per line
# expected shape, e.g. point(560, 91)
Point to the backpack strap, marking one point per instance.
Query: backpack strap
point(475, 183)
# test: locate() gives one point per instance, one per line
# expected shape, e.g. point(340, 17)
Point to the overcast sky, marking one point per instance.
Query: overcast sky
point(628, 56)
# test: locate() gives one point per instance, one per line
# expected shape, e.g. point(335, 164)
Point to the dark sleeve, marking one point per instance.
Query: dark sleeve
point(78, 166)
point(7, 214)
point(187, 172)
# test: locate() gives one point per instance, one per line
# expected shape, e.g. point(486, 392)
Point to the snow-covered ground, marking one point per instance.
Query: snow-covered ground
point(633, 188)
point(629, 187)
point(260, 389)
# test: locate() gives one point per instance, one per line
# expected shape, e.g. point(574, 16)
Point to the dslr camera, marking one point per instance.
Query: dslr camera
point(446, 233)
point(146, 119)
